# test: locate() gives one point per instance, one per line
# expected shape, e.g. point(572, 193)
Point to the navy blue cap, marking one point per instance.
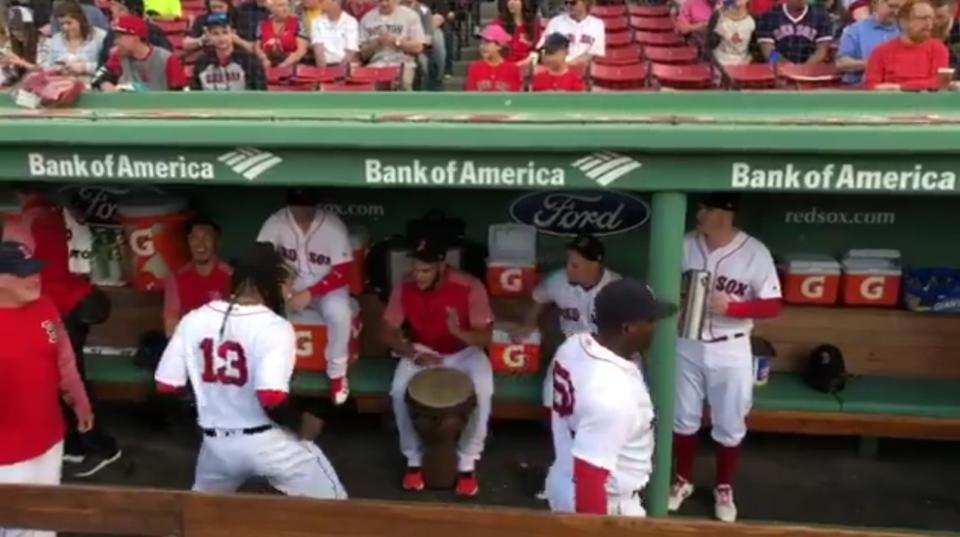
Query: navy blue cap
point(429, 249)
point(588, 246)
point(627, 301)
point(728, 201)
point(17, 259)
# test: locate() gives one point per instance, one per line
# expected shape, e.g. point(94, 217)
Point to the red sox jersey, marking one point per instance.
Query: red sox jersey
point(313, 253)
point(602, 414)
point(256, 352)
point(588, 36)
point(574, 302)
point(743, 269)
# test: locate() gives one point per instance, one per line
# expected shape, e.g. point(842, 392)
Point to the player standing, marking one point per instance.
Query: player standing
point(238, 357)
point(602, 413)
point(719, 366)
point(316, 242)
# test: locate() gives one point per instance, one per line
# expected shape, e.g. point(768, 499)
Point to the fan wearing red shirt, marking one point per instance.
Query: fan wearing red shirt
point(36, 366)
point(519, 19)
point(491, 72)
point(448, 320)
point(283, 42)
point(203, 279)
point(911, 62)
point(556, 75)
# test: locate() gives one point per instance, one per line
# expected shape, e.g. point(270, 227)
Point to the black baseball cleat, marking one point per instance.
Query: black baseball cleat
point(93, 463)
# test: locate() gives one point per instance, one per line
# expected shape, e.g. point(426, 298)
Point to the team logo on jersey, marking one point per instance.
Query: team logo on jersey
point(731, 286)
point(250, 162)
point(605, 167)
point(51, 330)
point(570, 213)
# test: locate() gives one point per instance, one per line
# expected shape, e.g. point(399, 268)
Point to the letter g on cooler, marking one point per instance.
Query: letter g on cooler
point(515, 357)
point(872, 287)
point(511, 280)
point(141, 242)
point(813, 286)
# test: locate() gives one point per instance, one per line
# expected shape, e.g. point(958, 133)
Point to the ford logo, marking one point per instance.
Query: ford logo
point(570, 213)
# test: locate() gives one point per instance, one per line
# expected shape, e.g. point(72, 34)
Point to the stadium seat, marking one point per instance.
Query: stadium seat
point(750, 76)
point(638, 10)
point(348, 86)
point(321, 75)
point(293, 85)
point(385, 78)
point(652, 24)
point(619, 39)
point(815, 76)
point(619, 77)
point(176, 40)
point(173, 26)
point(659, 39)
point(616, 24)
point(694, 76)
point(606, 12)
point(671, 54)
point(621, 55)
point(276, 75)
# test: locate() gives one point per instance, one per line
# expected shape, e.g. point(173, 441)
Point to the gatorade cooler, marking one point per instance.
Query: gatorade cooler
point(871, 278)
point(153, 228)
point(512, 265)
point(810, 279)
point(508, 356)
point(9, 210)
point(359, 243)
point(312, 337)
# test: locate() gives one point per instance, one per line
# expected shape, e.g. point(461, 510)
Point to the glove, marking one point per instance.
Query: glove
point(54, 91)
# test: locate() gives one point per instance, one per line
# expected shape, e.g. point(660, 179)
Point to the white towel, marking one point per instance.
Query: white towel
point(79, 243)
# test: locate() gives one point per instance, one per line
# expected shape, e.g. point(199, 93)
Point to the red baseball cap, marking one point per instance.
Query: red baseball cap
point(129, 24)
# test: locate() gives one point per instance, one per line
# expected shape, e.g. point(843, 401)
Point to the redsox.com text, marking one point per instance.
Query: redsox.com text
point(817, 216)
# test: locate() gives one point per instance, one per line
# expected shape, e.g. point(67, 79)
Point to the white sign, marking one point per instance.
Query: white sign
point(117, 165)
point(843, 177)
point(461, 173)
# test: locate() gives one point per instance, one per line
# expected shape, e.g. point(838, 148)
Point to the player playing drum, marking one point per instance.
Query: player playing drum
point(602, 413)
point(238, 357)
point(718, 366)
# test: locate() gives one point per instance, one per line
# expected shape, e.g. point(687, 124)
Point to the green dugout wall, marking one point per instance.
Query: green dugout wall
point(824, 171)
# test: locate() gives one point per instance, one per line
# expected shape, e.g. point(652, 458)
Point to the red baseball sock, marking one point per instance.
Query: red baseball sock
point(685, 450)
point(726, 464)
point(336, 384)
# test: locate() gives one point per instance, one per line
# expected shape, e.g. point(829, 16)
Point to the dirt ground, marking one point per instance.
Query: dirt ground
point(782, 478)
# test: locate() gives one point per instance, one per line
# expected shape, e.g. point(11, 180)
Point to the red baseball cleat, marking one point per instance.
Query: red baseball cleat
point(339, 390)
point(413, 480)
point(467, 485)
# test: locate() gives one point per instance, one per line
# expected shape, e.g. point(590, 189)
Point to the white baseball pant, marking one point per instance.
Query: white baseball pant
point(721, 373)
point(561, 498)
point(476, 365)
point(41, 470)
point(548, 386)
point(334, 307)
point(293, 466)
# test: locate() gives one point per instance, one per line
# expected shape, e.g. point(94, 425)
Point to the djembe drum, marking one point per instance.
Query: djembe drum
point(440, 402)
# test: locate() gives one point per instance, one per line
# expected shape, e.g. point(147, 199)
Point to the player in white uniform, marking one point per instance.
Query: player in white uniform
point(603, 431)
point(238, 357)
point(719, 366)
point(316, 242)
point(586, 33)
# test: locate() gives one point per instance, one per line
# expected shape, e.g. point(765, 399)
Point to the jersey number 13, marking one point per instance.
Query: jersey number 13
point(225, 363)
point(563, 394)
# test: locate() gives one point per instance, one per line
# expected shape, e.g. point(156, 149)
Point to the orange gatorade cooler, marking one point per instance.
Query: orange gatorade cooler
point(506, 356)
point(512, 265)
point(359, 243)
point(810, 279)
point(153, 228)
point(312, 337)
point(871, 278)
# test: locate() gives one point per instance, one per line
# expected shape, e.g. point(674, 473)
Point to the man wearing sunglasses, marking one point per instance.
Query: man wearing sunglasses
point(223, 66)
point(586, 33)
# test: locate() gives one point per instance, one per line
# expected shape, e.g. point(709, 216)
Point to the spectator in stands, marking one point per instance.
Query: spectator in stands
point(492, 72)
point(19, 45)
point(912, 61)
point(75, 50)
point(223, 66)
point(205, 277)
point(135, 64)
point(250, 15)
point(557, 74)
point(309, 11)
point(155, 35)
point(729, 33)
point(435, 52)
point(283, 42)
point(167, 9)
point(797, 31)
point(858, 10)
point(445, 17)
point(335, 36)
point(860, 38)
point(694, 17)
point(945, 29)
point(196, 37)
point(94, 15)
point(519, 18)
point(586, 34)
point(358, 9)
point(760, 7)
point(392, 35)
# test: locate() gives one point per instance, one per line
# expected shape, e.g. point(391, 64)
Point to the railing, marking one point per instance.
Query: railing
point(165, 513)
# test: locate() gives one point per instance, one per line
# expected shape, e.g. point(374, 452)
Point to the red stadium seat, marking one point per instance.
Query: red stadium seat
point(385, 78)
point(750, 76)
point(619, 39)
point(638, 10)
point(176, 40)
point(277, 74)
point(621, 55)
point(695, 76)
point(659, 39)
point(322, 75)
point(173, 26)
point(293, 86)
point(617, 24)
point(671, 54)
point(348, 87)
point(804, 76)
point(652, 24)
point(606, 12)
point(619, 77)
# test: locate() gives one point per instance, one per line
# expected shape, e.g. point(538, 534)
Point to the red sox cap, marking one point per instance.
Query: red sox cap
point(727, 201)
point(588, 246)
point(16, 259)
point(429, 249)
point(627, 301)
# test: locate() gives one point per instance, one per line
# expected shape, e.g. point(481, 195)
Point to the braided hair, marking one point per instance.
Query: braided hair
point(261, 269)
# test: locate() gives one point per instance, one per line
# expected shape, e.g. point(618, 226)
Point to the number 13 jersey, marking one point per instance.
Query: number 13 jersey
point(256, 352)
point(602, 414)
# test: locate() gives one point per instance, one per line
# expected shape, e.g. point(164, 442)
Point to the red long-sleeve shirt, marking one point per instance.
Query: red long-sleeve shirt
point(505, 76)
point(570, 80)
point(912, 66)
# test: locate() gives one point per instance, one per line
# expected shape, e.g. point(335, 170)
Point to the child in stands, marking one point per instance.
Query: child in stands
point(492, 72)
point(555, 75)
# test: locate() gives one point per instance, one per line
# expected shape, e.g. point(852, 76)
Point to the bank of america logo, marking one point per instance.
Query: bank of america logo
point(605, 167)
point(249, 162)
